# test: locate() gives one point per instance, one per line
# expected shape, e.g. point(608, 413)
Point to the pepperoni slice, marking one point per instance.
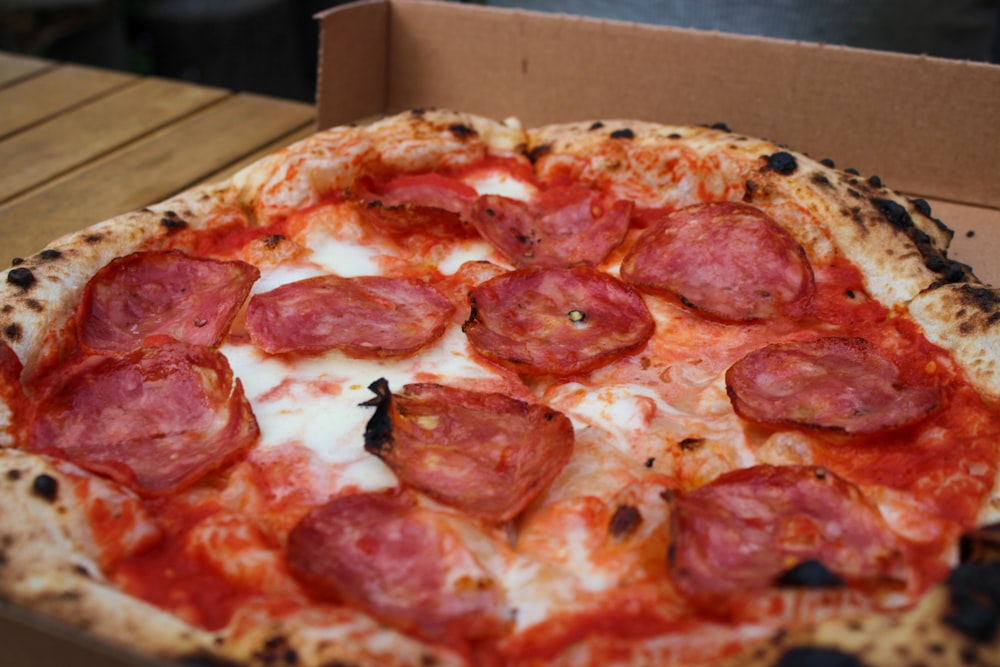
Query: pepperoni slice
point(155, 419)
point(366, 316)
point(484, 453)
point(729, 260)
point(562, 226)
point(843, 384)
point(383, 554)
point(149, 296)
point(739, 534)
point(430, 202)
point(556, 321)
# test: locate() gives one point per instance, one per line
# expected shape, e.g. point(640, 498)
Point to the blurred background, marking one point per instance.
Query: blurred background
point(269, 46)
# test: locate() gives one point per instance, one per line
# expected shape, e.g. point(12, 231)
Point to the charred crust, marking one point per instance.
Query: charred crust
point(817, 656)
point(596, 125)
point(45, 487)
point(981, 545)
point(13, 474)
point(827, 162)
point(875, 181)
point(675, 135)
point(273, 241)
point(17, 261)
point(34, 304)
point(624, 521)
point(974, 600)
point(978, 308)
point(782, 162)
point(538, 151)
point(809, 574)
point(378, 430)
point(922, 206)
point(205, 661)
point(93, 238)
point(50, 254)
point(623, 133)
point(720, 126)
point(277, 651)
point(820, 179)
point(21, 277)
point(650, 461)
point(896, 215)
point(462, 131)
point(173, 222)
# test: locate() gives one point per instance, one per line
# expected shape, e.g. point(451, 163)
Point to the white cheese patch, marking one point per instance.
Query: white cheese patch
point(500, 183)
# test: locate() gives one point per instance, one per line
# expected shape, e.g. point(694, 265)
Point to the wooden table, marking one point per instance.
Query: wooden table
point(79, 145)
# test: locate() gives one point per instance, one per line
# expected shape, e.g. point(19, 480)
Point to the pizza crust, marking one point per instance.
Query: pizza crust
point(899, 247)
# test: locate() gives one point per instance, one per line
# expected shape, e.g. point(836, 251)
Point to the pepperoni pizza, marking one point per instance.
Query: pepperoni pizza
point(441, 390)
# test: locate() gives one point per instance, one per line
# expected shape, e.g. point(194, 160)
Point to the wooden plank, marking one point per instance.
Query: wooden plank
point(272, 147)
point(149, 170)
point(29, 158)
point(32, 100)
point(14, 67)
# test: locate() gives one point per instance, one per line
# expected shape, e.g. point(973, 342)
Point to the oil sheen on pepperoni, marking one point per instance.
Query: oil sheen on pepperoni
point(431, 203)
point(727, 259)
point(161, 295)
point(365, 316)
point(557, 321)
point(738, 534)
point(383, 554)
point(155, 419)
point(843, 384)
point(484, 453)
point(562, 226)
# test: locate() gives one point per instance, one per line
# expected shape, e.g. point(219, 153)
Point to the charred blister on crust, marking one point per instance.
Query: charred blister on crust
point(782, 162)
point(981, 545)
point(45, 487)
point(596, 125)
point(538, 151)
point(896, 215)
point(173, 222)
point(979, 308)
point(13, 332)
point(22, 277)
point(50, 254)
point(462, 131)
point(623, 133)
point(814, 656)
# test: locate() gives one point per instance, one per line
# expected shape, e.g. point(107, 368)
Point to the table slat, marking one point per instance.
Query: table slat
point(224, 134)
point(30, 158)
point(15, 67)
point(34, 99)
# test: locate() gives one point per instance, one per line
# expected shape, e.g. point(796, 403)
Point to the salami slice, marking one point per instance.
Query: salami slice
point(741, 533)
point(156, 419)
point(365, 316)
point(562, 226)
point(842, 384)
point(383, 554)
point(431, 203)
point(484, 453)
point(556, 321)
point(150, 296)
point(726, 259)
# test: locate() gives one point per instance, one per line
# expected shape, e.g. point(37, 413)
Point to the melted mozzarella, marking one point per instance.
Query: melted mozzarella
point(500, 183)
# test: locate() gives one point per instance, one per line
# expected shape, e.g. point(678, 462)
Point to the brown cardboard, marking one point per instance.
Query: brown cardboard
point(926, 126)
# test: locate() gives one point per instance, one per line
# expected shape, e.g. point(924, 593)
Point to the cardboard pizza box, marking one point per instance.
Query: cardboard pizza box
point(926, 126)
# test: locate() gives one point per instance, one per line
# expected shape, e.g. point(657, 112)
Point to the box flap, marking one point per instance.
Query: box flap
point(925, 125)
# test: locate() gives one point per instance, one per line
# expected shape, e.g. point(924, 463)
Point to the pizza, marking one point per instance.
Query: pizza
point(444, 390)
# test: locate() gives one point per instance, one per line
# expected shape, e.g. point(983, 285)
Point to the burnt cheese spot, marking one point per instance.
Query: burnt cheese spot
point(691, 444)
point(781, 162)
point(21, 277)
point(378, 430)
point(273, 241)
point(624, 521)
point(809, 574)
point(45, 487)
point(974, 600)
point(624, 133)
